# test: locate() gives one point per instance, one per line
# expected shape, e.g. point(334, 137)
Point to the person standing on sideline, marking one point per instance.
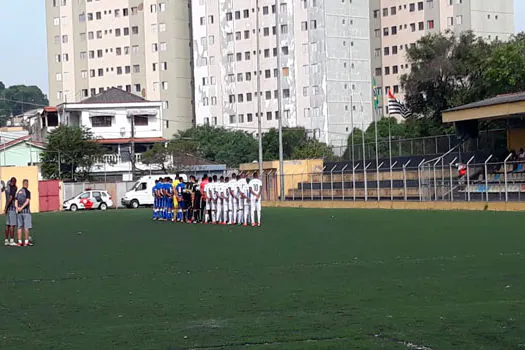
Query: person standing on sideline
point(23, 202)
point(10, 212)
point(255, 186)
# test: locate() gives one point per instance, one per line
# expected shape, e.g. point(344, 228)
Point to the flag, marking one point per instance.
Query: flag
point(376, 94)
point(396, 107)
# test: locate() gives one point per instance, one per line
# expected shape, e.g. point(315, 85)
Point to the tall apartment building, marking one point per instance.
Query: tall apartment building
point(398, 24)
point(324, 72)
point(141, 46)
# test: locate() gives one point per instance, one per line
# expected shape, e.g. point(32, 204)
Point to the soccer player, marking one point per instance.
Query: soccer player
point(204, 201)
point(23, 199)
point(209, 197)
point(246, 196)
point(233, 203)
point(241, 183)
point(179, 189)
point(255, 199)
point(226, 201)
point(170, 192)
point(214, 196)
point(10, 213)
point(155, 194)
point(220, 198)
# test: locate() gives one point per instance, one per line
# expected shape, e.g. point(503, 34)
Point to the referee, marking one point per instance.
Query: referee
point(10, 213)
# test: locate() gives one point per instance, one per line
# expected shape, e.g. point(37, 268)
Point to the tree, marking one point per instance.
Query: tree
point(157, 155)
point(312, 149)
point(70, 153)
point(18, 99)
point(293, 138)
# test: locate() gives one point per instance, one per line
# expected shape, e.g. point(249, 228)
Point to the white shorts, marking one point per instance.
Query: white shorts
point(255, 204)
point(231, 202)
point(213, 205)
point(208, 204)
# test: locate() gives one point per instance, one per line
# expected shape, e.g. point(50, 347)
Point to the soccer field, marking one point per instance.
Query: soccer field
point(308, 279)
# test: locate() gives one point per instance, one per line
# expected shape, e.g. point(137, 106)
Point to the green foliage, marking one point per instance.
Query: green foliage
point(293, 140)
point(312, 149)
point(18, 99)
point(448, 71)
point(157, 155)
point(70, 153)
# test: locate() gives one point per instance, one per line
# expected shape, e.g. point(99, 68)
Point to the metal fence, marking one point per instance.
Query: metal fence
point(488, 141)
point(115, 189)
point(438, 179)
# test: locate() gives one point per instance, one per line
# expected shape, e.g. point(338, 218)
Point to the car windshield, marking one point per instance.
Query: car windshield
point(135, 186)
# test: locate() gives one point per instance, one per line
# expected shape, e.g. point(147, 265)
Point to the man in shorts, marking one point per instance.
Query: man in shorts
point(10, 213)
point(23, 201)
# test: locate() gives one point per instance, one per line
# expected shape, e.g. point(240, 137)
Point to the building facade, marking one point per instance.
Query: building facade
point(398, 24)
point(312, 55)
point(140, 46)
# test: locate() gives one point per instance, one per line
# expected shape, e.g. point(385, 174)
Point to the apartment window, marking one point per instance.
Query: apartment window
point(450, 21)
point(134, 30)
point(237, 14)
point(90, 16)
point(284, 28)
point(286, 93)
point(210, 19)
point(266, 53)
point(395, 70)
point(376, 13)
point(206, 121)
point(393, 10)
point(248, 97)
point(386, 51)
point(268, 95)
point(118, 51)
point(286, 71)
point(394, 50)
point(238, 56)
point(116, 12)
point(230, 57)
point(315, 90)
point(98, 15)
point(229, 16)
point(134, 11)
point(204, 81)
point(248, 76)
point(412, 27)
point(420, 6)
point(430, 24)
point(459, 20)
point(214, 101)
point(267, 73)
point(127, 69)
point(101, 121)
point(164, 66)
point(393, 30)
point(154, 47)
point(64, 39)
point(412, 7)
point(58, 77)
point(56, 21)
point(385, 12)
point(136, 68)
point(153, 8)
point(164, 85)
point(162, 7)
point(268, 115)
point(249, 117)
point(396, 89)
point(214, 120)
point(65, 57)
point(266, 31)
point(246, 13)
point(232, 119)
point(283, 8)
point(386, 31)
point(265, 10)
point(246, 34)
point(163, 46)
point(238, 35)
point(421, 25)
point(247, 56)
point(304, 26)
point(313, 24)
point(284, 50)
point(387, 70)
point(100, 53)
point(305, 91)
point(240, 98)
point(231, 98)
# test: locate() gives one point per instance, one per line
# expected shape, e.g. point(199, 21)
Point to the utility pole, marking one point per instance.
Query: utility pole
point(280, 98)
point(259, 107)
point(59, 166)
point(132, 150)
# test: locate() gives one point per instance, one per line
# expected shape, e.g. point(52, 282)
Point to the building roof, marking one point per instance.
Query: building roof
point(114, 95)
point(128, 140)
point(501, 106)
point(19, 140)
point(498, 100)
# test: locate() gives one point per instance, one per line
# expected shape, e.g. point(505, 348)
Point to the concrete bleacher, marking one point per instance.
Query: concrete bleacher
point(339, 181)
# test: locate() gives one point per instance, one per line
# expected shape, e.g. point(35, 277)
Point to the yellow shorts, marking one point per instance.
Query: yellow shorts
point(175, 203)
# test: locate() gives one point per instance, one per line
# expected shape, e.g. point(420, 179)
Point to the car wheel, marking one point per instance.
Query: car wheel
point(73, 207)
point(103, 206)
point(134, 204)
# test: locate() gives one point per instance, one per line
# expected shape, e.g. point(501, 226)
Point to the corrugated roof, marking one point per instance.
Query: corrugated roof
point(114, 95)
point(20, 140)
point(493, 101)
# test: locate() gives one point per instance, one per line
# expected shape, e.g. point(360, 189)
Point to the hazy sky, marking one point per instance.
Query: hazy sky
point(23, 57)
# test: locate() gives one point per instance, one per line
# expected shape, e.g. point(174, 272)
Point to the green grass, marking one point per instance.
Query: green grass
point(309, 279)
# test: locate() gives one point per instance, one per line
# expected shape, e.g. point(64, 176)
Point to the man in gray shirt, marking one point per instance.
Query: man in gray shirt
point(23, 201)
point(10, 213)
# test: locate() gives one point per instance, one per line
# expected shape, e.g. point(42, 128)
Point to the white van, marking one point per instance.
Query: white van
point(141, 194)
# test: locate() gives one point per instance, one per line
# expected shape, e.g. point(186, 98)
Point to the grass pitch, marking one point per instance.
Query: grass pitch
point(308, 279)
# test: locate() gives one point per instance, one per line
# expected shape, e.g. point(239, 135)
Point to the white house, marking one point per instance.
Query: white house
point(117, 119)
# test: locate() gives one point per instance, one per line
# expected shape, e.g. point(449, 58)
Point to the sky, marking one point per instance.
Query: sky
point(23, 59)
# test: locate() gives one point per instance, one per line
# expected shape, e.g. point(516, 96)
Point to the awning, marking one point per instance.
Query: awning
point(102, 114)
point(128, 140)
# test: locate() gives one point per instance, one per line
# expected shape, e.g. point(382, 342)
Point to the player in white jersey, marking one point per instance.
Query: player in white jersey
point(246, 209)
point(207, 192)
point(233, 203)
point(241, 183)
point(214, 199)
point(220, 200)
point(255, 186)
point(225, 201)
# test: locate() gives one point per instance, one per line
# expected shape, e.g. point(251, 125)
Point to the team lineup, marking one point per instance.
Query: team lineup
point(234, 200)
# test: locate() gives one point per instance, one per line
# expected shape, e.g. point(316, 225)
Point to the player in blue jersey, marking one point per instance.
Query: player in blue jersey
point(170, 194)
point(155, 194)
point(179, 190)
point(164, 198)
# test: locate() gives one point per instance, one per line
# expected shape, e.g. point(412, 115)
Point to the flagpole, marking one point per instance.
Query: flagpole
point(364, 161)
point(376, 116)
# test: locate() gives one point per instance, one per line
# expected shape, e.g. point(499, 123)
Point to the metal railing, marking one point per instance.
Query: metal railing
point(438, 179)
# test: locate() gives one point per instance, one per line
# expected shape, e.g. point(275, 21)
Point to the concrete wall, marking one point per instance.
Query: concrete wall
point(20, 173)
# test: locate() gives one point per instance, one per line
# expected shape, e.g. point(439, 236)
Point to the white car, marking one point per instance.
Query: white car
point(95, 199)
